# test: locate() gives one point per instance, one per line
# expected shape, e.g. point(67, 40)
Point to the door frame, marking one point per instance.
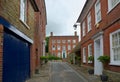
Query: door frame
point(98, 43)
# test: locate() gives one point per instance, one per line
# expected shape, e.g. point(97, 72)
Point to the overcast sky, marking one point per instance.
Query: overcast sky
point(62, 15)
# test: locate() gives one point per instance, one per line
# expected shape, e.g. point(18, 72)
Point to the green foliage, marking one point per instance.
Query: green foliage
point(47, 44)
point(71, 61)
point(104, 59)
point(49, 58)
point(43, 57)
point(91, 58)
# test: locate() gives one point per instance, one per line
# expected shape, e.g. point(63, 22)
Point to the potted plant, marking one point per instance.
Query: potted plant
point(91, 60)
point(105, 60)
point(71, 61)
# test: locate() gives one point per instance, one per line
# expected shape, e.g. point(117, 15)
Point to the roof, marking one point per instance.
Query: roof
point(85, 10)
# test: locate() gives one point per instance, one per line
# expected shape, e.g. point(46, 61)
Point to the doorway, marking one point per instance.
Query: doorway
point(98, 51)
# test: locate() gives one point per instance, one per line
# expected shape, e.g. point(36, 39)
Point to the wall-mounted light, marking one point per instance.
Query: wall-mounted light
point(75, 25)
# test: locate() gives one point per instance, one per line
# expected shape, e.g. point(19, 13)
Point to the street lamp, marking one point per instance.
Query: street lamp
point(75, 25)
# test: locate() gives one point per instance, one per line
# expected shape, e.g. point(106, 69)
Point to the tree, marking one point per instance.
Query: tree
point(47, 44)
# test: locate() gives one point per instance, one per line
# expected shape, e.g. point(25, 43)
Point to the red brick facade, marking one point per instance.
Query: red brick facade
point(1, 51)
point(58, 42)
point(110, 22)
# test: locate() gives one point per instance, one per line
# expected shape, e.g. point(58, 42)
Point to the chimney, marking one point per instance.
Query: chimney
point(75, 33)
point(51, 33)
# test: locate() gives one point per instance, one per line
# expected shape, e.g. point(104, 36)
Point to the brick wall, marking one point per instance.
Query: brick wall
point(1, 51)
point(10, 10)
point(110, 21)
point(66, 38)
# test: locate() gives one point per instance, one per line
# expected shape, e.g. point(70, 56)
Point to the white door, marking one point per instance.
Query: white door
point(98, 51)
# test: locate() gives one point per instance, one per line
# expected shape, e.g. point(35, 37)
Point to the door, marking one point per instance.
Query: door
point(98, 51)
point(16, 59)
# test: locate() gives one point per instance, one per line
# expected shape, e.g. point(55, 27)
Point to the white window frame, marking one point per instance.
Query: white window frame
point(58, 47)
point(53, 41)
point(112, 61)
point(63, 41)
point(53, 47)
point(58, 41)
point(83, 29)
point(69, 41)
point(59, 54)
point(89, 22)
point(74, 41)
point(97, 11)
point(110, 6)
point(74, 46)
point(63, 47)
point(23, 5)
point(69, 47)
point(89, 52)
point(84, 55)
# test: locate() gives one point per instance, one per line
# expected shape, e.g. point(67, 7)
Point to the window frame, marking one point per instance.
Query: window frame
point(112, 61)
point(89, 27)
point(74, 41)
point(53, 47)
point(58, 47)
point(69, 47)
point(90, 52)
point(97, 11)
point(23, 12)
point(84, 54)
point(110, 6)
point(83, 29)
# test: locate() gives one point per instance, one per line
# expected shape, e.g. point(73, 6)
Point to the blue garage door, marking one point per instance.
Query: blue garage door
point(16, 59)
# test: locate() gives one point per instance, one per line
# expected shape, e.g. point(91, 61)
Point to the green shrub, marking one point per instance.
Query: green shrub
point(43, 57)
point(91, 58)
point(104, 59)
point(49, 58)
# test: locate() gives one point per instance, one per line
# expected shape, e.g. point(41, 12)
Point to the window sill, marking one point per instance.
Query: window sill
point(24, 24)
point(110, 9)
point(114, 64)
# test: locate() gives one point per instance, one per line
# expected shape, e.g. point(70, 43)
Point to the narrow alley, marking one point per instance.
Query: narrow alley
point(62, 72)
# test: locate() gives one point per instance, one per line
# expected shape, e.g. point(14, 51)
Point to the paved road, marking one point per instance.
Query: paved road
point(62, 72)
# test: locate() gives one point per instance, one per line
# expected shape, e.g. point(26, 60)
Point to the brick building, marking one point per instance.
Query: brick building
point(22, 35)
point(100, 33)
point(61, 46)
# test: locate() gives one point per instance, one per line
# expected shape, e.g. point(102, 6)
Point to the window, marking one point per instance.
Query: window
point(74, 46)
point(63, 47)
point(84, 55)
point(97, 11)
point(63, 41)
point(89, 52)
point(53, 41)
point(69, 47)
point(58, 47)
point(112, 4)
point(83, 29)
point(115, 47)
point(53, 47)
point(69, 41)
point(58, 41)
point(23, 8)
point(89, 21)
point(59, 54)
point(74, 41)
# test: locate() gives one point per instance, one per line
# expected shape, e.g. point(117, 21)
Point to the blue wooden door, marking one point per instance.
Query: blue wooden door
point(16, 59)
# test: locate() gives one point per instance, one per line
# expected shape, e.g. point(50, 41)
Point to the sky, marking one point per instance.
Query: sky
point(62, 15)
